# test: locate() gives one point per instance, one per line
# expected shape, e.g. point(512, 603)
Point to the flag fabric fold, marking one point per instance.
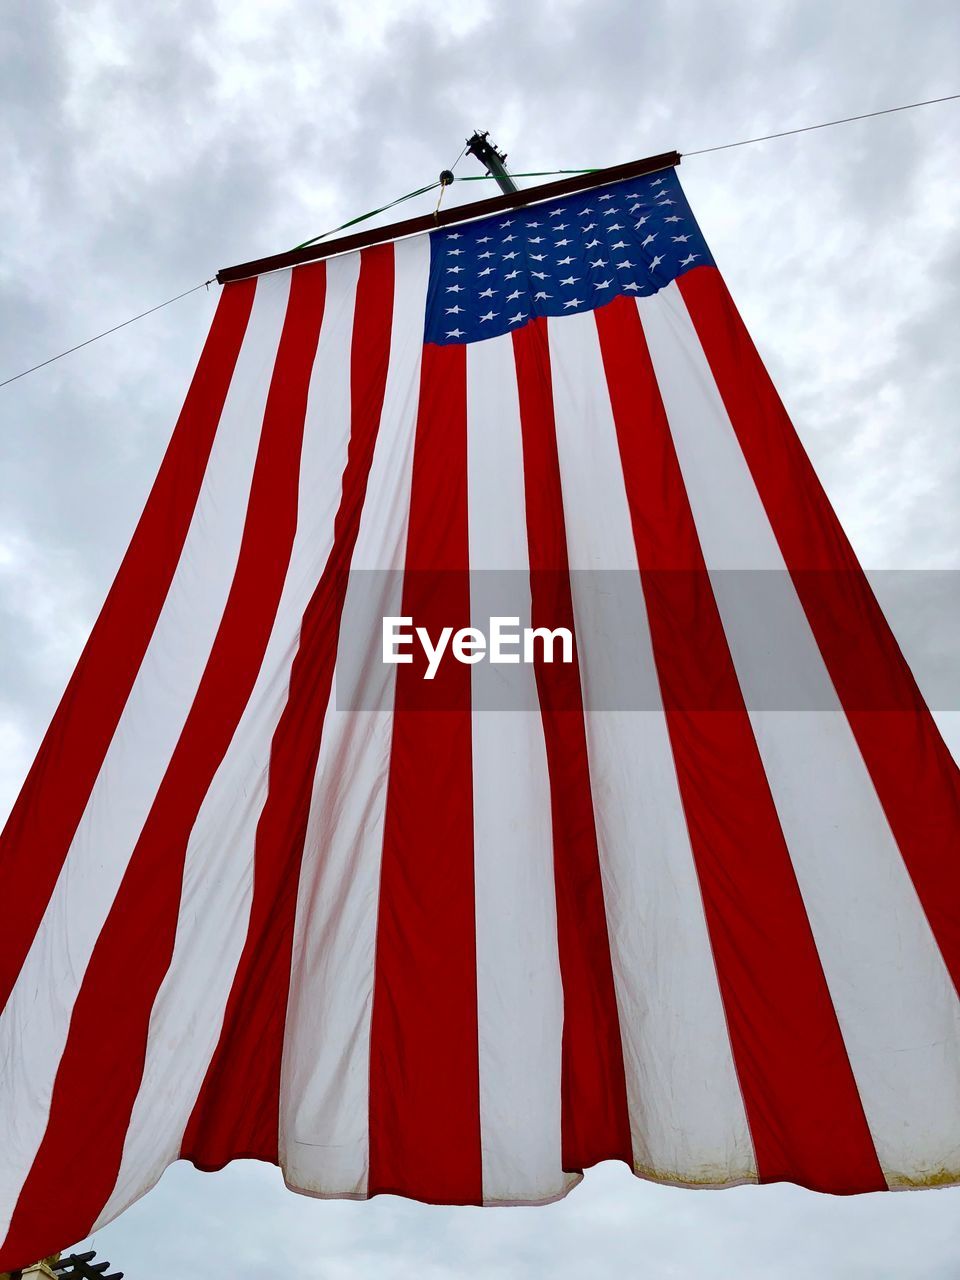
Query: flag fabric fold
point(460, 938)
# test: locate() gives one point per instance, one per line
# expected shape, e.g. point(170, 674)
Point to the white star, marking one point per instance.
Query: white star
point(541, 295)
point(626, 263)
point(521, 315)
point(635, 207)
point(656, 261)
point(511, 297)
point(632, 195)
point(455, 333)
point(621, 244)
point(484, 239)
point(507, 239)
point(600, 262)
point(540, 275)
point(632, 285)
point(570, 280)
point(574, 302)
point(558, 244)
point(453, 253)
point(662, 203)
point(607, 212)
point(649, 240)
point(658, 182)
point(509, 223)
point(454, 235)
point(564, 262)
point(584, 212)
point(454, 288)
point(537, 257)
point(615, 226)
point(534, 239)
point(452, 271)
point(673, 218)
point(511, 254)
point(487, 254)
point(511, 275)
point(561, 226)
point(604, 284)
point(688, 259)
point(638, 225)
point(680, 239)
point(592, 244)
point(589, 227)
point(606, 197)
point(489, 316)
point(533, 224)
point(488, 293)
point(555, 213)
point(454, 311)
point(487, 271)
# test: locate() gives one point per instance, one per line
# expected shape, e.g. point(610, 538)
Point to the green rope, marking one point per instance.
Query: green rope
point(372, 214)
point(482, 177)
point(535, 173)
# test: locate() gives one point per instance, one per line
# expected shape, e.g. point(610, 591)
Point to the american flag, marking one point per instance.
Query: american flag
point(491, 277)
point(397, 942)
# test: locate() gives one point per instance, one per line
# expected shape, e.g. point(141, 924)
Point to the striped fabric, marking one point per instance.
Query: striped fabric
point(407, 943)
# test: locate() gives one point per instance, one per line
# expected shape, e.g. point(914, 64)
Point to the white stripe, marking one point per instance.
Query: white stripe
point(217, 890)
point(897, 1007)
point(687, 1118)
point(34, 1024)
point(519, 993)
point(324, 1096)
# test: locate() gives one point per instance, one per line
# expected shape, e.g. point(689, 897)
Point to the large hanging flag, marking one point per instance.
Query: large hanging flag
point(686, 896)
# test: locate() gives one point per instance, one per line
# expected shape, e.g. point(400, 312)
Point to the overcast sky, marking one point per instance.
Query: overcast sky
point(144, 146)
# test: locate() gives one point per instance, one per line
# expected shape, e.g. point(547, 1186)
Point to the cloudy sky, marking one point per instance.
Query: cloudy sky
point(142, 147)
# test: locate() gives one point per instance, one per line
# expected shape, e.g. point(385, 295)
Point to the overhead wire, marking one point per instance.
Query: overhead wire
point(123, 323)
point(536, 173)
point(826, 124)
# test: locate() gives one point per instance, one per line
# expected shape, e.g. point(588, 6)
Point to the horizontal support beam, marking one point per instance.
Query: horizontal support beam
point(464, 213)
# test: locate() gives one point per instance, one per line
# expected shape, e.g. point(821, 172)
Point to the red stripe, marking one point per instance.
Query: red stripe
point(424, 1073)
point(237, 1111)
point(804, 1111)
point(134, 949)
point(44, 819)
point(595, 1121)
point(916, 779)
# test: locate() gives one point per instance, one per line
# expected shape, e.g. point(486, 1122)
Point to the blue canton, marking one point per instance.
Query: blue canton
point(554, 259)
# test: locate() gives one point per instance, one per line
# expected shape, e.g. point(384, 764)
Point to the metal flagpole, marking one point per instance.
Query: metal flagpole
point(492, 160)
